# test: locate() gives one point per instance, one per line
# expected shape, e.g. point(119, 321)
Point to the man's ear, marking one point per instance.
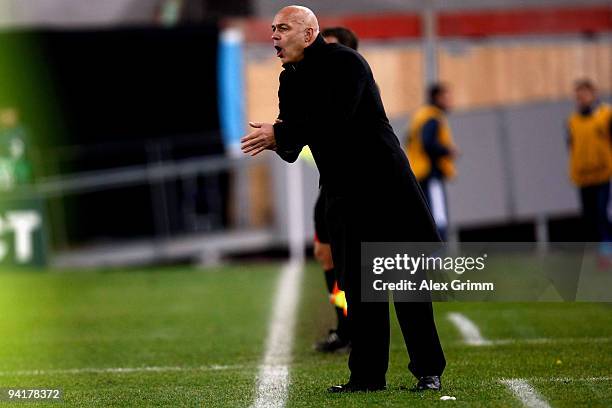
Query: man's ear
point(308, 34)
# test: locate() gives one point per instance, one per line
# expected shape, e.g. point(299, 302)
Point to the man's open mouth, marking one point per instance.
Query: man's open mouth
point(279, 51)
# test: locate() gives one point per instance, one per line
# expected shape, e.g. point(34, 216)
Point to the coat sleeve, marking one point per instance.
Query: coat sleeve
point(288, 143)
point(339, 93)
point(289, 156)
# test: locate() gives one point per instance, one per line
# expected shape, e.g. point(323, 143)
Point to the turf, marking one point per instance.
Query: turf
point(203, 332)
point(580, 347)
point(210, 323)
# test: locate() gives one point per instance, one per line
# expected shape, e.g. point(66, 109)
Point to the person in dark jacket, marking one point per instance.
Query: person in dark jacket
point(329, 101)
point(338, 339)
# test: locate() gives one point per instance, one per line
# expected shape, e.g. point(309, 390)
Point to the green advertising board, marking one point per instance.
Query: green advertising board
point(22, 232)
point(22, 220)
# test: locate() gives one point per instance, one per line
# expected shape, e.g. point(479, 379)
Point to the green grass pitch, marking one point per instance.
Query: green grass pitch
point(184, 336)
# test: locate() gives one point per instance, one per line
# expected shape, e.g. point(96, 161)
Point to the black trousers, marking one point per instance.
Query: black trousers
point(594, 200)
point(369, 322)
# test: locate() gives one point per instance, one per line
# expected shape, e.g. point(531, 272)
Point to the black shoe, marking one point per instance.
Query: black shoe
point(333, 344)
point(429, 382)
point(357, 387)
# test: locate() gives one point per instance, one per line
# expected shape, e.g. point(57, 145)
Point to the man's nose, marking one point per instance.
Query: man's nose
point(275, 36)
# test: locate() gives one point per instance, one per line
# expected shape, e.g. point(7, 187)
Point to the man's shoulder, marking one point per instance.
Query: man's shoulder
point(605, 109)
point(344, 59)
point(573, 115)
point(428, 113)
point(342, 53)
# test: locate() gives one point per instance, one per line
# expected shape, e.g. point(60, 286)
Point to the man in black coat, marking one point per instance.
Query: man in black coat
point(329, 101)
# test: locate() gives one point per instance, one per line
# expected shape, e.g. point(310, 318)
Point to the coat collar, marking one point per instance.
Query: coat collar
point(316, 47)
point(312, 50)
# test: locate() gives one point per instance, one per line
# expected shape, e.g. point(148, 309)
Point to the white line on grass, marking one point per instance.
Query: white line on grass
point(556, 380)
point(467, 328)
point(118, 370)
point(273, 377)
point(526, 393)
point(547, 340)
point(568, 379)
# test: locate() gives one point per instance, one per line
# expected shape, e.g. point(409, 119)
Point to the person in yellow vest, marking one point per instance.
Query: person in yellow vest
point(432, 152)
point(590, 159)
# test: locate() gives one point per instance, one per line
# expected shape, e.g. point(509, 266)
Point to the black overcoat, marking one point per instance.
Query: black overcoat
point(330, 102)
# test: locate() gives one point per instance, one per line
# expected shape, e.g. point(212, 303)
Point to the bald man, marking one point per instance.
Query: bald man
point(329, 101)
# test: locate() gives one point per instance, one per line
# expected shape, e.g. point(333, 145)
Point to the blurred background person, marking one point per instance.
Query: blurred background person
point(15, 168)
point(590, 159)
point(338, 339)
point(432, 152)
point(341, 35)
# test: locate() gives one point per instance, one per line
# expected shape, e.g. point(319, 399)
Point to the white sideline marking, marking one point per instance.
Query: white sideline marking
point(570, 379)
point(548, 340)
point(557, 380)
point(273, 377)
point(467, 328)
point(117, 370)
point(526, 393)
